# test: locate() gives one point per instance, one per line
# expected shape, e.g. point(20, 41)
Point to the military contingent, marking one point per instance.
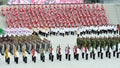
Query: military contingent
point(108, 46)
point(86, 47)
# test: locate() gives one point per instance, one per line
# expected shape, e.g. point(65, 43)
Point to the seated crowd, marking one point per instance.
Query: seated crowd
point(55, 15)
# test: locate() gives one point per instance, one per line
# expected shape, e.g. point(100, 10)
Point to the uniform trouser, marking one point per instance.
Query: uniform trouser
point(119, 32)
point(118, 54)
point(51, 57)
point(16, 60)
point(59, 57)
point(90, 54)
point(34, 59)
point(72, 32)
point(74, 56)
point(98, 54)
point(25, 59)
point(62, 34)
point(54, 33)
point(81, 33)
point(93, 55)
point(46, 34)
point(8, 60)
point(87, 32)
point(66, 56)
point(69, 57)
point(67, 33)
point(109, 54)
point(77, 35)
point(77, 57)
point(42, 58)
point(115, 32)
point(114, 53)
point(98, 32)
point(101, 55)
point(83, 55)
point(86, 56)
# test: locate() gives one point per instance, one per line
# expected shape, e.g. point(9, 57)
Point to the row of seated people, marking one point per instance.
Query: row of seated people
point(21, 42)
point(54, 15)
point(80, 31)
point(85, 52)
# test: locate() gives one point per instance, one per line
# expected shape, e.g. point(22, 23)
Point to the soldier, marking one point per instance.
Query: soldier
point(7, 56)
point(101, 51)
point(16, 55)
point(51, 54)
point(76, 52)
point(59, 53)
point(114, 50)
point(83, 51)
point(86, 52)
point(34, 54)
point(93, 48)
point(68, 53)
point(2, 48)
point(90, 50)
point(118, 50)
point(42, 56)
point(25, 56)
point(106, 50)
point(98, 50)
point(109, 53)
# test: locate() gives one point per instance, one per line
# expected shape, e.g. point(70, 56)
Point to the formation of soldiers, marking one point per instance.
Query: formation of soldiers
point(93, 46)
point(15, 44)
point(85, 51)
